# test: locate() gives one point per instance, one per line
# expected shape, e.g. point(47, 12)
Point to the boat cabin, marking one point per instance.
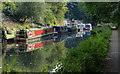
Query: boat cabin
point(88, 27)
point(33, 33)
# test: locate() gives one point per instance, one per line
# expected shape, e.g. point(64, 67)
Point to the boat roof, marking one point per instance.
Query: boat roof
point(37, 28)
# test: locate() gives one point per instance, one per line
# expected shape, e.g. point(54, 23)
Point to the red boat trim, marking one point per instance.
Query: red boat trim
point(40, 35)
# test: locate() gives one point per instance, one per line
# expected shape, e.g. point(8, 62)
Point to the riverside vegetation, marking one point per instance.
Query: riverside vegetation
point(90, 55)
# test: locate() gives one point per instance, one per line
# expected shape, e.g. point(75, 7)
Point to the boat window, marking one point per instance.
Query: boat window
point(22, 34)
point(62, 28)
point(87, 25)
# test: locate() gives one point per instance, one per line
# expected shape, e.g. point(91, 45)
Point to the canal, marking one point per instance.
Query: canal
point(40, 55)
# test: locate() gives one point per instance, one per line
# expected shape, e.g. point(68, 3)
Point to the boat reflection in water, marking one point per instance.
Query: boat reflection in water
point(30, 46)
point(80, 34)
point(87, 32)
point(69, 35)
point(60, 37)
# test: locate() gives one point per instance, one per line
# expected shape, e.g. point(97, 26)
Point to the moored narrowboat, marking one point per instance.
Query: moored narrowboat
point(71, 28)
point(28, 34)
point(88, 27)
point(80, 27)
point(60, 29)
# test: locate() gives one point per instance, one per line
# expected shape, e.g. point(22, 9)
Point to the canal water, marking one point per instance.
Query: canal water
point(40, 55)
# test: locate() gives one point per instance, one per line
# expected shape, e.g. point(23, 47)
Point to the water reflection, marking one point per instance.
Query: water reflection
point(65, 36)
point(27, 47)
point(35, 61)
point(39, 56)
point(87, 32)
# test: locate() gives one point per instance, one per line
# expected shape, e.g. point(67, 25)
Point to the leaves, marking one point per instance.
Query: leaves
point(75, 11)
point(89, 55)
point(38, 12)
point(103, 11)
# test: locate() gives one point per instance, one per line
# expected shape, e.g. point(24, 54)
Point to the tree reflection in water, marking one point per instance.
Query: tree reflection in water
point(41, 60)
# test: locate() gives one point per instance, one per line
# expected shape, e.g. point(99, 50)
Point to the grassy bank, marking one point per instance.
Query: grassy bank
point(89, 56)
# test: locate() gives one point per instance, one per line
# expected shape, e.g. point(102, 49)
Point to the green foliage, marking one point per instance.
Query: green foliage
point(102, 11)
point(51, 19)
point(59, 9)
point(24, 26)
point(9, 8)
point(75, 11)
point(36, 12)
point(31, 10)
point(18, 27)
point(89, 56)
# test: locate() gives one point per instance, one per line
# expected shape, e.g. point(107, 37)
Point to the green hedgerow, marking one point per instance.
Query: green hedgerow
point(89, 56)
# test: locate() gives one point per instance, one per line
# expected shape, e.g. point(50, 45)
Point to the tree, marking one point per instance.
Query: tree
point(39, 12)
point(32, 10)
point(25, 10)
point(102, 11)
point(75, 11)
point(9, 8)
point(59, 9)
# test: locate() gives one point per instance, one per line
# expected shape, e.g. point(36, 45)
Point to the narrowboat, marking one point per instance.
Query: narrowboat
point(6, 35)
point(114, 28)
point(88, 27)
point(28, 47)
point(60, 29)
point(73, 23)
point(28, 34)
point(71, 28)
point(80, 27)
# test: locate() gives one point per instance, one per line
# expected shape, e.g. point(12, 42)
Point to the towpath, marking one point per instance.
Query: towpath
point(113, 60)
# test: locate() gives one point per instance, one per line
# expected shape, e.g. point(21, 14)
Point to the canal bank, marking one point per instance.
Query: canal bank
point(113, 57)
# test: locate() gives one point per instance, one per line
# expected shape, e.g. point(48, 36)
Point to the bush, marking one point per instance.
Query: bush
point(89, 56)
point(26, 26)
point(22, 27)
point(18, 27)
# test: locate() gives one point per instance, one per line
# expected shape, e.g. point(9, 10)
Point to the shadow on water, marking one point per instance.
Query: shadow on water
point(39, 56)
